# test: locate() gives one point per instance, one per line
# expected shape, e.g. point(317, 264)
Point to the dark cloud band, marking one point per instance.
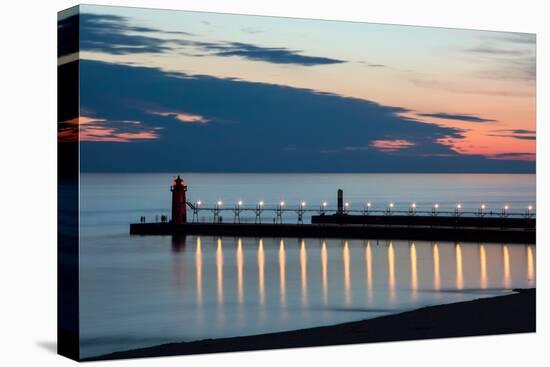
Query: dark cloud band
point(459, 117)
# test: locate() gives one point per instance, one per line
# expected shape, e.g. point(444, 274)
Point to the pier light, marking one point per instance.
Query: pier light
point(530, 207)
point(458, 206)
point(506, 207)
point(303, 203)
point(323, 207)
point(240, 203)
point(413, 205)
point(282, 203)
point(529, 210)
point(219, 203)
point(369, 204)
point(436, 206)
point(390, 207)
point(482, 207)
point(261, 203)
point(346, 204)
point(366, 209)
point(199, 203)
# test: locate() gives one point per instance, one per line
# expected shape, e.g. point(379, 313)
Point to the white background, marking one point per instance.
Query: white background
point(28, 182)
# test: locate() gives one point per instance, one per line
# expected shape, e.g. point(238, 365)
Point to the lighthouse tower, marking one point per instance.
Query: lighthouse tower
point(179, 209)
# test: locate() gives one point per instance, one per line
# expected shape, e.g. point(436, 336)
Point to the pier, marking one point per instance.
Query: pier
point(439, 233)
point(411, 224)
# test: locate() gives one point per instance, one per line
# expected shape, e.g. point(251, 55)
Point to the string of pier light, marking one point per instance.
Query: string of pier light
point(368, 208)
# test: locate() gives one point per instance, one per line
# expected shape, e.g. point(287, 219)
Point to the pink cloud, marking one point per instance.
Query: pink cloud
point(85, 128)
point(391, 145)
point(184, 117)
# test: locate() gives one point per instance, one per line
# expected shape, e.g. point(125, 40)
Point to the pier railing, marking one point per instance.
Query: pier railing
point(283, 213)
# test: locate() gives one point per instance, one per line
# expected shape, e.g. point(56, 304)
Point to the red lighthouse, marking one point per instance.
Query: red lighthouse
point(179, 209)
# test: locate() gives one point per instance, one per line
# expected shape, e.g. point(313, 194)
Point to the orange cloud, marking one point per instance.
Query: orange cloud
point(184, 117)
point(93, 129)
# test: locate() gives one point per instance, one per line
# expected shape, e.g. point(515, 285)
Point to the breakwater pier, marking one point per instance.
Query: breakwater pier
point(390, 223)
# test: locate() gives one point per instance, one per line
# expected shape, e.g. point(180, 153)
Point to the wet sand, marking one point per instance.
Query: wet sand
point(489, 316)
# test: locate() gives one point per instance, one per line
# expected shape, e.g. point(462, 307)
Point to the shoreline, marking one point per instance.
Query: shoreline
point(507, 314)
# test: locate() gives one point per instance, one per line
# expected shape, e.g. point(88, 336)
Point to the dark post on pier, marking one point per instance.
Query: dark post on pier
point(345, 222)
point(179, 202)
point(340, 208)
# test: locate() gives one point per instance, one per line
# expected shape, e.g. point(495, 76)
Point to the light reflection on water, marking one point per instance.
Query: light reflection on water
point(391, 273)
point(459, 274)
point(424, 280)
point(430, 279)
point(368, 268)
point(483, 266)
point(261, 271)
point(324, 262)
point(437, 276)
point(238, 286)
point(198, 265)
point(347, 277)
point(414, 274)
point(303, 271)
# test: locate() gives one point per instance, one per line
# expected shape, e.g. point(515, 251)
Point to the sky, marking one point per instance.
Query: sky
point(168, 90)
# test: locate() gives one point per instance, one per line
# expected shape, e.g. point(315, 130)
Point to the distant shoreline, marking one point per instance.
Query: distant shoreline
point(507, 314)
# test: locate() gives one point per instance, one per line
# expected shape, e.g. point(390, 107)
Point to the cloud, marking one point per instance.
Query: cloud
point(250, 124)
point(277, 55)
point(521, 134)
point(386, 146)
point(522, 69)
point(521, 137)
point(251, 30)
point(454, 88)
point(114, 35)
point(520, 131)
point(518, 156)
point(373, 65)
point(511, 56)
point(184, 117)
point(67, 36)
point(459, 117)
point(391, 145)
point(93, 129)
point(521, 38)
point(491, 50)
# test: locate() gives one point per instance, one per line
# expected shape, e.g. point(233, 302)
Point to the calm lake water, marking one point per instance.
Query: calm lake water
point(145, 291)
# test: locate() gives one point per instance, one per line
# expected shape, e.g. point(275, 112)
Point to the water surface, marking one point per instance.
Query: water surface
point(144, 291)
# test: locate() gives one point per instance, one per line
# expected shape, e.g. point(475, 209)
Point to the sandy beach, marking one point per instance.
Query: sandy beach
point(506, 314)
